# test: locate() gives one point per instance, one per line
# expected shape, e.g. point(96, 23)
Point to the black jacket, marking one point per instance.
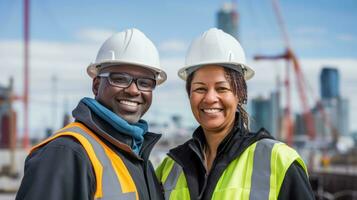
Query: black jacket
point(201, 185)
point(61, 170)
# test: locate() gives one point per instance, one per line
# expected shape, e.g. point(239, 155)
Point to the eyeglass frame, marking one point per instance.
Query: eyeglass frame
point(132, 79)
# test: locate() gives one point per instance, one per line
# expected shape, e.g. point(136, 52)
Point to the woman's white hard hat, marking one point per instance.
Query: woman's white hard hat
point(215, 47)
point(129, 47)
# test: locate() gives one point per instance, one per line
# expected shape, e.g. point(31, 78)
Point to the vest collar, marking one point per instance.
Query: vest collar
point(110, 135)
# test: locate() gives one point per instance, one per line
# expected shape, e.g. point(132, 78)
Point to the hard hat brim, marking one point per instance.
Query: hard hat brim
point(183, 73)
point(160, 75)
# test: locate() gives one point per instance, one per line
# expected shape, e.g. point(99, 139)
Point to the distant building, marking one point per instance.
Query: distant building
point(336, 117)
point(227, 19)
point(260, 113)
point(299, 125)
point(335, 108)
point(276, 114)
point(7, 118)
point(343, 111)
point(329, 83)
point(321, 128)
point(265, 113)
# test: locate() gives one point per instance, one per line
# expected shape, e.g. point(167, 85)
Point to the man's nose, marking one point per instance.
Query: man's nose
point(132, 89)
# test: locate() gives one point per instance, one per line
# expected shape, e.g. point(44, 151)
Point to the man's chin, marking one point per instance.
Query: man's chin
point(130, 118)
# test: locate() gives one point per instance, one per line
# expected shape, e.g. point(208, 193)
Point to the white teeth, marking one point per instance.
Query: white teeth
point(211, 110)
point(129, 103)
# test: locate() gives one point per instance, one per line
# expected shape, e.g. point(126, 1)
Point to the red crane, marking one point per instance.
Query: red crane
point(290, 57)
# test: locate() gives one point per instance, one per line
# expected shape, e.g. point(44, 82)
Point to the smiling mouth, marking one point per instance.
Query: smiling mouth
point(212, 110)
point(128, 103)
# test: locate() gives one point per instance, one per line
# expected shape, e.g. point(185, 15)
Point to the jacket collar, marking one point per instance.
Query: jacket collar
point(230, 148)
point(103, 129)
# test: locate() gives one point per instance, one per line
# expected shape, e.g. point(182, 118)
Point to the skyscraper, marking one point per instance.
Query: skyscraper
point(227, 19)
point(261, 114)
point(335, 107)
point(330, 83)
point(265, 113)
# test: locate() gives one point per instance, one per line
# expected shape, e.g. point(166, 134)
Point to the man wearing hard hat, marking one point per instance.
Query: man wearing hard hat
point(104, 153)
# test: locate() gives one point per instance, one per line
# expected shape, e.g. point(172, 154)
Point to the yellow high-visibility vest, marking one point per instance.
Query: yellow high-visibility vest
point(113, 180)
point(257, 174)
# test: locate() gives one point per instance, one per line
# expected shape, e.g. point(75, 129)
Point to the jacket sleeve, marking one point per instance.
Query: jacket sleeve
point(296, 185)
point(59, 170)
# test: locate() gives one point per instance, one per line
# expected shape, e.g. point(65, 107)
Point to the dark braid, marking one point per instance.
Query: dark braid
point(239, 88)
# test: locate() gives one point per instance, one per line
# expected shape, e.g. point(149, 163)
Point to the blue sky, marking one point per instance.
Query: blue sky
point(67, 34)
point(329, 25)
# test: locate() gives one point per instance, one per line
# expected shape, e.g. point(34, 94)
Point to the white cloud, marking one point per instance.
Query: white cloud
point(347, 38)
point(173, 46)
point(94, 35)
point(302, 43)
point(171, 65)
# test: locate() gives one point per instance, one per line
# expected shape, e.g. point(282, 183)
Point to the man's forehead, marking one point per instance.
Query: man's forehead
point(130, 69)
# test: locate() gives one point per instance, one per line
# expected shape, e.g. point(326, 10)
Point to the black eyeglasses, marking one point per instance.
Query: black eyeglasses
point(124, 80)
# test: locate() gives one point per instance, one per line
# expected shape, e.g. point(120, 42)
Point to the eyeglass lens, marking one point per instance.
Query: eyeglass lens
point(124, 80)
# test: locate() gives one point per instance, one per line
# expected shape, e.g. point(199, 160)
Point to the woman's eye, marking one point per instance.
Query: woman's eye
point(222, 89)
point(199, 90)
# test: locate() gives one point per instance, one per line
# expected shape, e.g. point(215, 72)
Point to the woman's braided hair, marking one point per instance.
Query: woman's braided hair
point(239, 88)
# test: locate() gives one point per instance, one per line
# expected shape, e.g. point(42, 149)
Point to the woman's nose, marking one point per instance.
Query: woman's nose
point(210, 96)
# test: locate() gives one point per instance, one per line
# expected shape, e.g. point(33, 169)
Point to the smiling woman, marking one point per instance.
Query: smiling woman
point(224, 160)
point(213, 103)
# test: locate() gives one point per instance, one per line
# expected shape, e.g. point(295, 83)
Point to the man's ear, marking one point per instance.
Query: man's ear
point(95, 85)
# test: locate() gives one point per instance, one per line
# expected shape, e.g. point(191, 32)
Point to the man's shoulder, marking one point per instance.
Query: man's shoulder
point(65, 142)
point(60, 145)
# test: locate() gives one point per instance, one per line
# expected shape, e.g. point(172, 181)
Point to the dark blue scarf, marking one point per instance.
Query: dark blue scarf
point(136, 131)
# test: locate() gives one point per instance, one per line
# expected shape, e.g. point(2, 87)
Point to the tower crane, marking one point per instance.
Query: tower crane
point(290, 57)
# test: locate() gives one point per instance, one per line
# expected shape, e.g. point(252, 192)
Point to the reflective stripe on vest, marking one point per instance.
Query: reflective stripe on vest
point(257, 174)
point(261, 170)
point(172, 179)
point(112, 177)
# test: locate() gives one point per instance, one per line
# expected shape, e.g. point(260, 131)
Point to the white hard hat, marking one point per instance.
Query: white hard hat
point(128, 47)
point(215, 47)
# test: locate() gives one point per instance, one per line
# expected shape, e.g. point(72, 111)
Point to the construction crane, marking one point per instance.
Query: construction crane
point(290, 57)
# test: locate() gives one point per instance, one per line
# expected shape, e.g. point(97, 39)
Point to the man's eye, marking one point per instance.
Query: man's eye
point(146, 83)
point(120, 79)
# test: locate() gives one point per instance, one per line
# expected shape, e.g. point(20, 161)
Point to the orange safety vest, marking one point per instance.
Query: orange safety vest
point(113, 180)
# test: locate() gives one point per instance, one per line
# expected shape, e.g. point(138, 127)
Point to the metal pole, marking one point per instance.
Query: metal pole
point(26, 71)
